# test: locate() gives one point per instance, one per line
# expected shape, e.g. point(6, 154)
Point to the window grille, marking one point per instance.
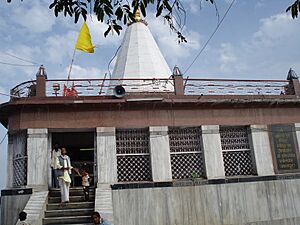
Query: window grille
point(186, 152)
point(20, 171)
point(237, 154)
point(19, 142)
point(133, 155)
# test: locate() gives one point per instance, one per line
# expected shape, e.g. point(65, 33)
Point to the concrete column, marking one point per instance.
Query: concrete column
point(212, 152)
point(297, 128)
point(160, 154)
point(37, 151)
point(10, 156)
point(178, 85)
point(262, 150)
point(106, 155)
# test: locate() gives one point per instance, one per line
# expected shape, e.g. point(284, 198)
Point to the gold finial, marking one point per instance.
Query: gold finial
point(137, 16)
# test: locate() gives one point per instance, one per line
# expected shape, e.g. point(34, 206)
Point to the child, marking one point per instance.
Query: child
point(85, 185)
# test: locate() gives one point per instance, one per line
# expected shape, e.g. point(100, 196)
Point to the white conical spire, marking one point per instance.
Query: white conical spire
point(140, 58)
point(139, 55)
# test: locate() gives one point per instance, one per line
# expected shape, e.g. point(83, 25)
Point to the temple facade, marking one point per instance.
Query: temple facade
point(167, 150)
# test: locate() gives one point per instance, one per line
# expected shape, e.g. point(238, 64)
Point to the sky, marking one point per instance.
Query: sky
point(257, 40)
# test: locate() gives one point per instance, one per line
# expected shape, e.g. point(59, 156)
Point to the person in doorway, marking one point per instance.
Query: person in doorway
point(63, 164)
point(98, 220)
point(22, 218)
point(86, 185)
point(55, 153)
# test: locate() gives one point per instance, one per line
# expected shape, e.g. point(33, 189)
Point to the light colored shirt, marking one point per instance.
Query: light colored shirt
point(85, 181)
point(54, 156)
point(66, 164)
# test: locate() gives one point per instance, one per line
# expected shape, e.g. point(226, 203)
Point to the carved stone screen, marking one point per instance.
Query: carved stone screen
point(284, 147)
point(186, 152)
point(19, 142)
point(133, 155)
point(237, 154)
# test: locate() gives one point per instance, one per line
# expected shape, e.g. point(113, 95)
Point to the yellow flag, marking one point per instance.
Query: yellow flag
point(84, 41)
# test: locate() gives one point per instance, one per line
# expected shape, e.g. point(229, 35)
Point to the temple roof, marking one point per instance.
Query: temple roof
point(139, 55)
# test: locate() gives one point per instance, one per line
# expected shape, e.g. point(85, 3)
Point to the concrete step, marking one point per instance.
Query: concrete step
point(69, 212)
point(79, 198)
point(73, 192)
point(71, 205)
point(67, 220)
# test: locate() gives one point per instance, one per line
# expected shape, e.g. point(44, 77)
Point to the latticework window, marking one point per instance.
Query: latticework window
point(133, 155)
point(19, 142)
point(186, 152)
point(237, 154)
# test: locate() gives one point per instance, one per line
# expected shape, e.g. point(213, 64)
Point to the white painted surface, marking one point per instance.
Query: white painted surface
point(139, 55)
point(212, 149)
point(262, 150)
point(37, 151)
point(106, 155)
point(36, 207)
point(140, 58)
point(160, 154)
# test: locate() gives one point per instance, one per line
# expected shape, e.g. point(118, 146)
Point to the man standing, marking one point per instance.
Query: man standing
point(63, 165)
point(97, 220)
point(56, 152)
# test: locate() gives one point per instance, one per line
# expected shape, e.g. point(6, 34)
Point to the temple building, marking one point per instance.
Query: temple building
point(161, 149)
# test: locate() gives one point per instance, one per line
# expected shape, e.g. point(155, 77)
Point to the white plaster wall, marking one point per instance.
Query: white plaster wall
point(106, 155)
point(160, 154)
point(262, 150)
point(37, 150)
point(212, 149)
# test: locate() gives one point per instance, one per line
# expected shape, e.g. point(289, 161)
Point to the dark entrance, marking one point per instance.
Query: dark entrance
point(80, 149)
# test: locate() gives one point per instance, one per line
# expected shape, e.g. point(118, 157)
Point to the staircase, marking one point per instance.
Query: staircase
point(76, 212)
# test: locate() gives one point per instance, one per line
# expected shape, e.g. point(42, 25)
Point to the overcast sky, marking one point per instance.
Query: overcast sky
point(257, 40)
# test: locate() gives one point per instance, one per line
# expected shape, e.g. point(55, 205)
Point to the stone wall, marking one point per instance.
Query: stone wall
point(255, 203)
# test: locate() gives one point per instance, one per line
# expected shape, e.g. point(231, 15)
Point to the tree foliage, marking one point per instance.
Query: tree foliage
point(116, 13)
point(294, 8)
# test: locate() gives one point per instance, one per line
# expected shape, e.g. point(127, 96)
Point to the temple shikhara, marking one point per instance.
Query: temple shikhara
point(161, 149)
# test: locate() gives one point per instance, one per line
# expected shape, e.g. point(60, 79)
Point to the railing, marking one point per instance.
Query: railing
point(102, 87)
point(235, 87)
point(25, 89)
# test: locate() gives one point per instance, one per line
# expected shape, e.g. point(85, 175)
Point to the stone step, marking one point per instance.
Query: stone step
point(72, 199)
point(71, 205)
point(73, 192)
point(69, 212)
point(67, 220)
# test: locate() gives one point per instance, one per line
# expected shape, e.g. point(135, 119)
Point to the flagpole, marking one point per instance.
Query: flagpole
point(70, 69)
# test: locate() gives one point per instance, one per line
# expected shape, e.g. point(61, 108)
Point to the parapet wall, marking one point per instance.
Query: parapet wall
point(255, 203)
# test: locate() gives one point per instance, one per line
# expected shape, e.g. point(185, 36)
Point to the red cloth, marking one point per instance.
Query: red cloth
point(70, 91)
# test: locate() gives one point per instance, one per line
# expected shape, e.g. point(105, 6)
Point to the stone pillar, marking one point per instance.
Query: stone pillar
point(37, 151)
point(160, 154)
point(10, 167)
point(178, 85)
point(212, 149)
point(297, 128)
point(262, 150)
point(106, 156)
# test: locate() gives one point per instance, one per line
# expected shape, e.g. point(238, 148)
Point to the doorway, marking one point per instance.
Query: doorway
point(81, 150)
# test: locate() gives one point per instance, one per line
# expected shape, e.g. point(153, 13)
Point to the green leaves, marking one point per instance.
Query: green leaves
point(294, 8)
